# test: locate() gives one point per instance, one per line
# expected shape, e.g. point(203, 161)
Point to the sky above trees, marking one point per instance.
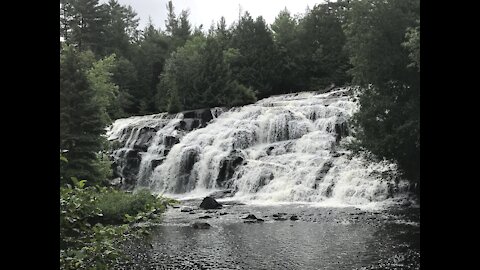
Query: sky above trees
point(206, 11)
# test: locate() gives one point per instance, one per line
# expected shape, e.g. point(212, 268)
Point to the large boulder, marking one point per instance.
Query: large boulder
point(210, 203)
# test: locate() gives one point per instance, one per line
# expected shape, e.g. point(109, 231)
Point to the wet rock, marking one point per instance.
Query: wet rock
point(222, 194)
point(156, 162)
point(224, 213)
point(201, 225)
point(169, 141)
point(250, 216)
point(341, 131)
point(256, 220)
point(196, 119)
point(227, 168)
point(205, 217)
point(145, 136)
point(280, 219)
point(293, 217)
point(406, 204)
point(322, 173)
point(189, 158)
point(210, 203)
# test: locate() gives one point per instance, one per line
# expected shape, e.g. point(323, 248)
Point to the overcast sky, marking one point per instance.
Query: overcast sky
point(206, 11)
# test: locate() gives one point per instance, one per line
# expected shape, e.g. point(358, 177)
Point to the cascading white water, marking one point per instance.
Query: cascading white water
point(283, 148)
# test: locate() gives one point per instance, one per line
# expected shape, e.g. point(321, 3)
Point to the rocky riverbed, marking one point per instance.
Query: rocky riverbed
point(282, 236)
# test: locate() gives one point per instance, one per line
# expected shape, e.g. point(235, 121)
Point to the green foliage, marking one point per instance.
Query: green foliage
point(121, 29)
point(116, 204)
point(83, 24)
point(323, 39)
point(182, 75)
point(84, 245)
point(388, 122)
point(286, 34)
point(198, 75)
point(412, 44)
point(81, 122)
point(104, 167)
point(241, 95)
point(106, 92)
point(149, 62)
point(257, 62)
point(88, 240)
point(376, 29)
point(388, 125)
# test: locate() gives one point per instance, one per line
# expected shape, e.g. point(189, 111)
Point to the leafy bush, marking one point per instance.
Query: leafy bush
point(116, 204)
point(88, 238)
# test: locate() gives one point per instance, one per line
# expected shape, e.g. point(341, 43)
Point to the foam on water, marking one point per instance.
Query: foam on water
point(282, 149)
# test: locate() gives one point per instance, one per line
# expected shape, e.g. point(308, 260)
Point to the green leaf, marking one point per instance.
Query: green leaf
point(64, 159)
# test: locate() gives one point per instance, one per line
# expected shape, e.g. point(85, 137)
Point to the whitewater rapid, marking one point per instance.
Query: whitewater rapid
point(286, 148)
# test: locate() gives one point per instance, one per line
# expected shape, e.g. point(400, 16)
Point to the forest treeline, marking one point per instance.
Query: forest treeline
point(109, 69)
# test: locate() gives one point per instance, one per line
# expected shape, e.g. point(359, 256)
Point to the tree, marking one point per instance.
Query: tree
point(106, 92)
point(125, 77)
point(66, 19)
point(256, 65)
point(286, 37)
point(120, 29)
point(184, 29)
point(388, 122)
point(198, 75)
point(223, 34)
point(86, 21)
point(149, 61)
point(171, 23)
point(218, 85)
point(180, 79)
point(81, 123)
point(323, 39)
point(178, 29)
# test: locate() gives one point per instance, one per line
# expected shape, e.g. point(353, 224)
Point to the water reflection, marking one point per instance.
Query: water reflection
point(275, 245)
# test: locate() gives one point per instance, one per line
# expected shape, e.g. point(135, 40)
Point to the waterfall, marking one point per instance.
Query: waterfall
point(285, 148)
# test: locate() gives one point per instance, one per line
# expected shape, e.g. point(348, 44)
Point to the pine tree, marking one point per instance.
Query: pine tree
point(286, 36)
point(81, 124)
point(323, 40)
point(258, 60)
point(120, 30)
point(87, 24)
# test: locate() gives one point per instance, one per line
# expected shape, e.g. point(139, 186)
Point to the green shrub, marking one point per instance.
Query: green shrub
point(116, 204)
point(94, 221)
